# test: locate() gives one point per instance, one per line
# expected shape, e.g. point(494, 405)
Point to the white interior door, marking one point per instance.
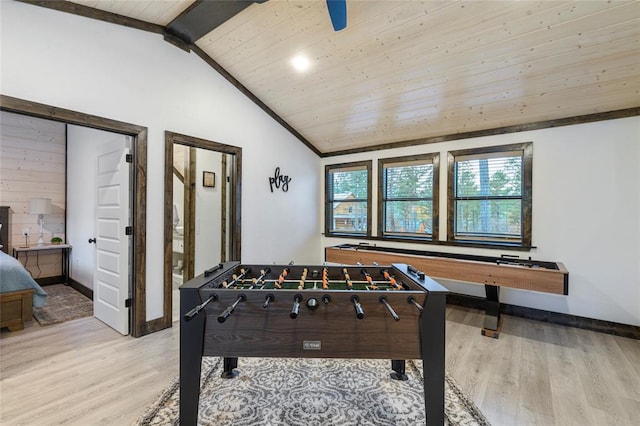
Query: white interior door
point(111, 278)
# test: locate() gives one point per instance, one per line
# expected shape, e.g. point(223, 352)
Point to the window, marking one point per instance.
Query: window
point(490, 195)
point(348, 199)
point(408, 207)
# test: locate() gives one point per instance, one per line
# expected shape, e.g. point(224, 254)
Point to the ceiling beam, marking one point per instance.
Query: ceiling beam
point(202, 17)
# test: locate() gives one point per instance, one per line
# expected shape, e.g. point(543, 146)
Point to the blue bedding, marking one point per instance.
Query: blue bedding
point(14, 277)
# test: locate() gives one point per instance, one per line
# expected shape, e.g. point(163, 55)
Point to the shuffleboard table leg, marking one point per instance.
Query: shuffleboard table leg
point(492, 320)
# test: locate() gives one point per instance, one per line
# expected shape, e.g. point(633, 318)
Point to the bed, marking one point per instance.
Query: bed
point(19, 293)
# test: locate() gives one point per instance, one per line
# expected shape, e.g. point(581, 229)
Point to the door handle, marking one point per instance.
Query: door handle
point(92, 240)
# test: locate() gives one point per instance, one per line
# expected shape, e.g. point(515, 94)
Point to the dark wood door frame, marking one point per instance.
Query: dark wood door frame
point(235, 198)
point(139, 324)
point(189, 206)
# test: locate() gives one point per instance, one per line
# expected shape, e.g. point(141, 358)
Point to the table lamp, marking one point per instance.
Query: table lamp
point(40, 206)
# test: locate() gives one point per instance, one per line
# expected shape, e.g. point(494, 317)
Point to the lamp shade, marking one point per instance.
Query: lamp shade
point(40, 206)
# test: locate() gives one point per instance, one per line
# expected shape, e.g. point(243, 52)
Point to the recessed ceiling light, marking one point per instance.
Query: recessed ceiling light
point(301, 63)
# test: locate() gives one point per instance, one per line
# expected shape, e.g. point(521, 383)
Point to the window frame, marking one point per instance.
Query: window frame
point(525, 239)
point(434, 159)
point(328, 206)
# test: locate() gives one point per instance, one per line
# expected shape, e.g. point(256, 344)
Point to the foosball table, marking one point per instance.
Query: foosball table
point(379, 312)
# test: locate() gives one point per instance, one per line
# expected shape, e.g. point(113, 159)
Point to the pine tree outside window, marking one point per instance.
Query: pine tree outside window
point(490, 195)
point(408, 195)
point(348, 199)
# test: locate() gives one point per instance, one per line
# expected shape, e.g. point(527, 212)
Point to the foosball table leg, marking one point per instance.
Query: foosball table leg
point(191, 345)
point(229, 365)
point(432, 341)
point(398, 367)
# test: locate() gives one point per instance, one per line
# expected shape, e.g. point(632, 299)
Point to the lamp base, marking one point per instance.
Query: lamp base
point(40, 241)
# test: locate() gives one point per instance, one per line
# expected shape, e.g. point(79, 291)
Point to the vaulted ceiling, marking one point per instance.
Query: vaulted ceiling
point(406, 72)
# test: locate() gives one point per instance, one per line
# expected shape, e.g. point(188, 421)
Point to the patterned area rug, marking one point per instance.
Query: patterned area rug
point(63, 304)
point(312, 392)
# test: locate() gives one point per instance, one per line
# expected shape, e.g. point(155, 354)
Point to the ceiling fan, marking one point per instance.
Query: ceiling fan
point(338, 13)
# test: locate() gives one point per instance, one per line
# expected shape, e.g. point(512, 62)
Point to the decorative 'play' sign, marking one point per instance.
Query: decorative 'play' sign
point(278, 181)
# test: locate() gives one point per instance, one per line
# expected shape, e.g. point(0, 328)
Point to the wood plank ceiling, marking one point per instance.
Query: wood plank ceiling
point(413, 70)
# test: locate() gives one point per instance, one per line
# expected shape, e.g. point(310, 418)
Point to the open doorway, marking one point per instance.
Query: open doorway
point(139, 325)
point(202, 210)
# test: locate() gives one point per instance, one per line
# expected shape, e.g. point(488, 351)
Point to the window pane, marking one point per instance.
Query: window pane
point(349, 216)
point(347, 192)
point(490, 195)
point(489, 177)
point(492, 218)
point(414, 181)
point(343, 184)
point(415, 217)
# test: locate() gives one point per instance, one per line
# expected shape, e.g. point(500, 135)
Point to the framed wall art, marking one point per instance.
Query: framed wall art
point(209, 179)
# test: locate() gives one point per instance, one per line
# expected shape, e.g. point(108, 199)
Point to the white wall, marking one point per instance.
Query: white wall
point(208, 211)
point(129, 75)
point(82, 143)
point(586, 214)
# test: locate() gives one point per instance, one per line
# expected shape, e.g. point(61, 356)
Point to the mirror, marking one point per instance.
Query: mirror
point(202, 209)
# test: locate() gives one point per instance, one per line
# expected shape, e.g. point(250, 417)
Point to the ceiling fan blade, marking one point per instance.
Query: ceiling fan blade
point(338, 13)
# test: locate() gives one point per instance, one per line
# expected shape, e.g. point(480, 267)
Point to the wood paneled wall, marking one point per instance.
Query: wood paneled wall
point(33, 165)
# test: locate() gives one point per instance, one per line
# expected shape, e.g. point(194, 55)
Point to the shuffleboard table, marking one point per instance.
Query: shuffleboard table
point(492, 272)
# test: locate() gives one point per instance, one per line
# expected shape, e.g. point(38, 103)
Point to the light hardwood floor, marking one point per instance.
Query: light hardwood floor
point(83, 373)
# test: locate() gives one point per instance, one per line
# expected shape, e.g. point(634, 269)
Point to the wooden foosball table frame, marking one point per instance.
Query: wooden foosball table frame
point(233, 310)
